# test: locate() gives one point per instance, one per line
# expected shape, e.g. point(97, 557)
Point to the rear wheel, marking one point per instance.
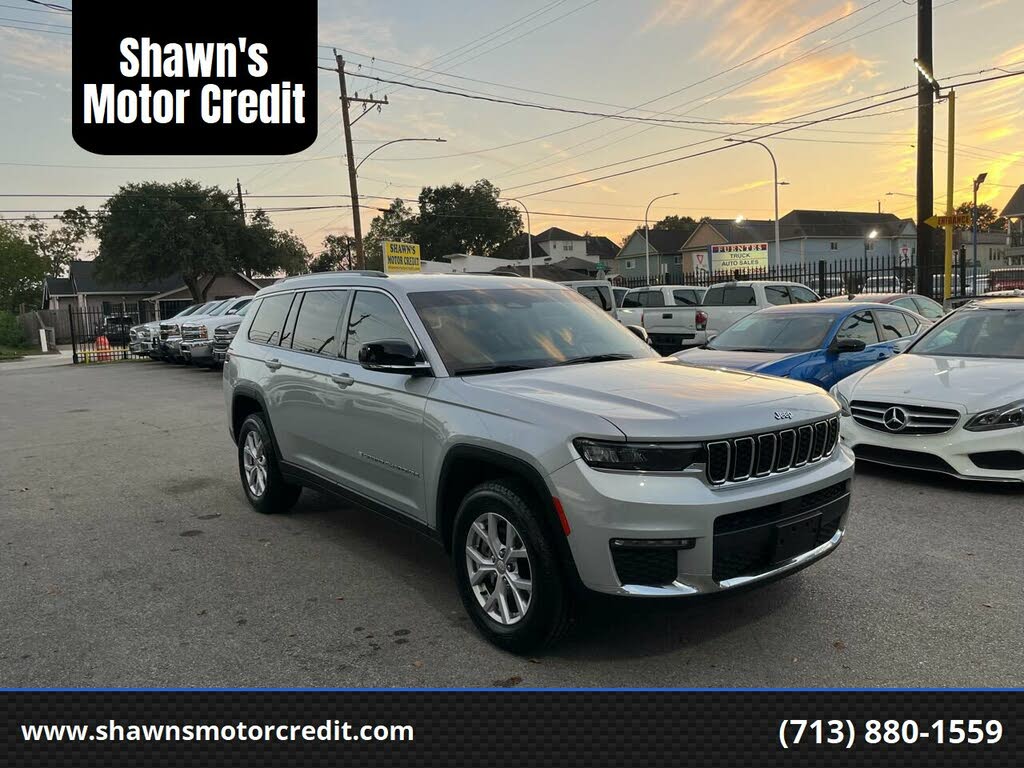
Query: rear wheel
point(506, 568)
point(264, 486)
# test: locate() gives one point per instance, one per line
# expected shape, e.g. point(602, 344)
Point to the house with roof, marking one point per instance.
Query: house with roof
point(664, 249)
point(807, 237)
point(84, 289)
point(1013, 212)
point(833, 236)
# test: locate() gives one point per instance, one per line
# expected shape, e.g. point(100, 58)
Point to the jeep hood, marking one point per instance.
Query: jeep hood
point(663, 399)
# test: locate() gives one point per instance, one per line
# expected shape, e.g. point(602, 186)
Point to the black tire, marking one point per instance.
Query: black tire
point(277, 495)
point(550, 607)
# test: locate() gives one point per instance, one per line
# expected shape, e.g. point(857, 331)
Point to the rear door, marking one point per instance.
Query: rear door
point(307, 398)
point(896, 329)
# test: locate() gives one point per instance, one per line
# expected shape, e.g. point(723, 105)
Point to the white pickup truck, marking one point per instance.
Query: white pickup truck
point(726, 303)
point(667, 313)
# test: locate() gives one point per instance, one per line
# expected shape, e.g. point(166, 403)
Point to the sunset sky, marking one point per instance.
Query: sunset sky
point(715, 62)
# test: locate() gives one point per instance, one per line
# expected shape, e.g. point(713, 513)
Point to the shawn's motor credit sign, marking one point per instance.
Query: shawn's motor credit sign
point(401, 257)
point(744, 256)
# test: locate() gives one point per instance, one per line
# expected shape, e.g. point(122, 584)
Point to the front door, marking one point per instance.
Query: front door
point(859, 325)
point(380, 422)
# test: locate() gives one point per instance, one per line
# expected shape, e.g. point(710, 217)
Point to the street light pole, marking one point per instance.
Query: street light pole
point(389, 143)
point(775, 174)
point(974, 233)
point(529, 236)
point(647, 234)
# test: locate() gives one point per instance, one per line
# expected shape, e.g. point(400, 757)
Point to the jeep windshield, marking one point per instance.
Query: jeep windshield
point(481, 331)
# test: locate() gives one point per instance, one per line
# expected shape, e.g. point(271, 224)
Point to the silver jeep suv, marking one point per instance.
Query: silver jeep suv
point(543, 444)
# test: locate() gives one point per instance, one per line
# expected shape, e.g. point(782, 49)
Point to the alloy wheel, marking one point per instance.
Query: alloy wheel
point(498, 567)
point(254, 464)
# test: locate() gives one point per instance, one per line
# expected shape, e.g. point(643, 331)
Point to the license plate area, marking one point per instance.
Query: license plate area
point(795, 538)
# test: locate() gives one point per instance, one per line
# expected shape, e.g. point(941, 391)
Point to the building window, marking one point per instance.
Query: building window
point(833, 246)
point(630, 263)
point(566, 246)
point(870, 245)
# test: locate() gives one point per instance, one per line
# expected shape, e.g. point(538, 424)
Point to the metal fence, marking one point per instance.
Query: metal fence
point(102, 337)
point(826, 278)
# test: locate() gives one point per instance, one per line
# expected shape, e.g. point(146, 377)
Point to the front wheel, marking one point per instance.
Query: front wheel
point(507, 570)
point(266, 490)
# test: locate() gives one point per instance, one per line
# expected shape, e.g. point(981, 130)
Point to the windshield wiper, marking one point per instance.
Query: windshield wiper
point(502, 368)
point(597, 358)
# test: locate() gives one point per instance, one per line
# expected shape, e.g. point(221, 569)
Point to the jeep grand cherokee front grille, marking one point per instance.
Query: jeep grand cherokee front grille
point(742, 458)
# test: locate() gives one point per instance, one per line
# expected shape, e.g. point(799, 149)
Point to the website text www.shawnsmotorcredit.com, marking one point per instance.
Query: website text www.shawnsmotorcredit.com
point(114, 731)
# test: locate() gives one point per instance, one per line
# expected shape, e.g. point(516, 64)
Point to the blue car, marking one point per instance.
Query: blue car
point(819, 343)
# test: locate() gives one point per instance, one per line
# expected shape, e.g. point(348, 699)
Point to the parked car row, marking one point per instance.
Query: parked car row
point(199, 334)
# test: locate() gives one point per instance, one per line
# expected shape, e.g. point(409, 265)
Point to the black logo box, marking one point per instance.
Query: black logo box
point(289, 34)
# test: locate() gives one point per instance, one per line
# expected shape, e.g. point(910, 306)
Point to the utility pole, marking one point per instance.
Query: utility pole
point(241, 202)
point(947, 284)
point(241, 213)
point(925, 172)
point(357, 227)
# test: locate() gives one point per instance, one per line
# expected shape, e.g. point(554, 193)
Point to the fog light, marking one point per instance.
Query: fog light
point(654, 543)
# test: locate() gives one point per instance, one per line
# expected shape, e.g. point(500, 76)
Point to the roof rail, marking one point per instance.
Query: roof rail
point(359, 272)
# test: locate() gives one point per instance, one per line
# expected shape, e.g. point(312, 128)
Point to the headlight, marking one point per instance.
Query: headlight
point(844, 404)
point(1004, 417)
point(636, 457)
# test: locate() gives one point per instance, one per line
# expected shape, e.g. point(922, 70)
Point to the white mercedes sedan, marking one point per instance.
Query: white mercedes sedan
point(953, 402)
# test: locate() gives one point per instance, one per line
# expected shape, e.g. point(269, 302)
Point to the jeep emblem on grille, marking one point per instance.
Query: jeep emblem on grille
point(783, 415)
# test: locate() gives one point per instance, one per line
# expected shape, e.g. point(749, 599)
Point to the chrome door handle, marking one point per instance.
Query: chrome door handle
point(273, 363)
point(342, 379)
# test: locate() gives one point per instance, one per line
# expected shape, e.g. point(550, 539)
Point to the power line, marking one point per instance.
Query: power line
point(36, 29)
point(730, 146)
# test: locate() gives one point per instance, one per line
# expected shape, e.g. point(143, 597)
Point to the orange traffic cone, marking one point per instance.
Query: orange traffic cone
point(103, 348)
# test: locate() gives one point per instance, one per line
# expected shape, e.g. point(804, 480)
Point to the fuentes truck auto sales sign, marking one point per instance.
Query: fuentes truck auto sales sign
point(739, 256)
point(197, 78)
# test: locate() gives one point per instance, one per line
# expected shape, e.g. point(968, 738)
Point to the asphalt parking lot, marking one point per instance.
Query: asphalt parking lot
point(129, 557)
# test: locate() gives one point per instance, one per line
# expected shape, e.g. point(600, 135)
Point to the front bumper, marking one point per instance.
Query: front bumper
point(197, 351)
point(171, 347)
point(948, 454)
point(737, 550)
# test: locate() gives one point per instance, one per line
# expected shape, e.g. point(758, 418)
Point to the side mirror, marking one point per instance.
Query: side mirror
point(839, 346)
point(711, 337)
point(640, 332)
point(393, 357)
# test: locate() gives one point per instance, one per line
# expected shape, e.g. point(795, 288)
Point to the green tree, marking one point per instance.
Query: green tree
point(22, 270)
point(266, 250)
point(686, 224)
point(464, 219)
point(396, 223)
point(61, 243)
point(339, 253)
point(151, 231)
point(989, 219)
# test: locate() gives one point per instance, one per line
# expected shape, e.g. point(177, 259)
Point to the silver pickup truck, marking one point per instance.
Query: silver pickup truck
point(197, 336)
point(668, 313)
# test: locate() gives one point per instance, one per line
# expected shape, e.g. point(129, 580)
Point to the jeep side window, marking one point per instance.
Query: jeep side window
point(316, 327)
point(270, 317)
point(374, 318)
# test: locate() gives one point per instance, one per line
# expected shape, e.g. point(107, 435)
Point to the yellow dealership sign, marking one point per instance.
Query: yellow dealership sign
point(401, 257)
point(739, 256)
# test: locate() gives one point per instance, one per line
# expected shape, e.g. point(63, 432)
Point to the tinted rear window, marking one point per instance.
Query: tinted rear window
point(730, 296)
point(269, 321)
point(598, 294)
